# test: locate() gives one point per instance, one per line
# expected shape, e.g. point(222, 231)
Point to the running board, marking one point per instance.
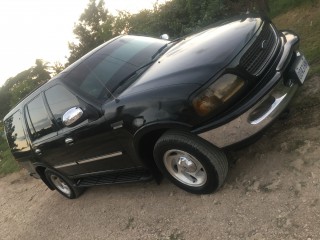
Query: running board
point(114, 178)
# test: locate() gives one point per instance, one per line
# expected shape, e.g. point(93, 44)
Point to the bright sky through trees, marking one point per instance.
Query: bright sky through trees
point(32, 29)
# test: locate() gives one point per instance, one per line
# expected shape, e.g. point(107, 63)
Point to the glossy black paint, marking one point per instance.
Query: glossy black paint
point(159, 98)
point(198, 58)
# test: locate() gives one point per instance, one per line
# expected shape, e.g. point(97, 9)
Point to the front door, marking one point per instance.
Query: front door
point(44, 138)
point(92, 144)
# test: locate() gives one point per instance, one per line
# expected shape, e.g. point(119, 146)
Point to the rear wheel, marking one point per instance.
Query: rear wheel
point(62, 184)
point(190, 162)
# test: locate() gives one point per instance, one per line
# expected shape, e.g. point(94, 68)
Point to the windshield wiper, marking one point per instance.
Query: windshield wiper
point(164, 47)
point(136, 72)
point(159, 50)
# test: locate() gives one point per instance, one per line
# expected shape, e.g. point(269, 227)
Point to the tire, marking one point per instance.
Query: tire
point(190, 162)
point(62, 184)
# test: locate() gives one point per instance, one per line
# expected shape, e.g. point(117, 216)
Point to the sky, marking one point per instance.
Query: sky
point(41, 29)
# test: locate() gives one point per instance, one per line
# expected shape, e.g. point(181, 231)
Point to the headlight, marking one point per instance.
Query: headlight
point(218, 95)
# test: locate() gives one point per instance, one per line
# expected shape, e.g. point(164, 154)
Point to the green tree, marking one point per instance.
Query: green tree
point(4, 100)
point(170, 18)
point(56, 68)
point(27, 81)
point(40, 72)
point(20, 86)
point(143, 23)
point(173, 18)
point(176, 17)
point(121, 24)
point(94, 28)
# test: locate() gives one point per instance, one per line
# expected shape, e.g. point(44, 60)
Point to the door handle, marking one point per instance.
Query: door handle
point(69, 141)
point(38, 152)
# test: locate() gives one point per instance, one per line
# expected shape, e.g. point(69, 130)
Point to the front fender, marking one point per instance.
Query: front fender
point(146, 137)
point(154, 127)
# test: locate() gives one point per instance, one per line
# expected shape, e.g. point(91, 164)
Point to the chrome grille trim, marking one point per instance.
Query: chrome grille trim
point(260, 53)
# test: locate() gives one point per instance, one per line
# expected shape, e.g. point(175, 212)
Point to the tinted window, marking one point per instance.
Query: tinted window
point(37, 118)
point(60, 100)
point(102, 72)
point(15, 133)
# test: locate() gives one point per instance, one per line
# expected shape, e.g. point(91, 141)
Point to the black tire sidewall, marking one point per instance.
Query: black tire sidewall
point(212, 182)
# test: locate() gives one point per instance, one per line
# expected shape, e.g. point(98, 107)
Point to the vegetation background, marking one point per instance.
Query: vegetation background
point(176, 18)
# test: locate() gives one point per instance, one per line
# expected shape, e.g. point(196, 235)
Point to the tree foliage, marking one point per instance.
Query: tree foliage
point(16, 88)
point(56, 68)
point(25, 82)
point(176, 18)
point(93, 28)
point(4, 100)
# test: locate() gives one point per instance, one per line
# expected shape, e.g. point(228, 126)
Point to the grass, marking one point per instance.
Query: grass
point(305, 21)
point(130, 223)
point(278, 7)
point(7, 162)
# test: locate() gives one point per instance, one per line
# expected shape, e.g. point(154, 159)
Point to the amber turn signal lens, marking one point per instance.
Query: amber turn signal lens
point(218, 94)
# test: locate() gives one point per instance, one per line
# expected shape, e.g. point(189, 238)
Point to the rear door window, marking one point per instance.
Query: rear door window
point(38, 119)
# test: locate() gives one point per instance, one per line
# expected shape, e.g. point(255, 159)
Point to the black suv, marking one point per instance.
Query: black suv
point(137, 107)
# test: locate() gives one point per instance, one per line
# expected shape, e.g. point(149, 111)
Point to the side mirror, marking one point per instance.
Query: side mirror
point(164, 36)
point(72, 116)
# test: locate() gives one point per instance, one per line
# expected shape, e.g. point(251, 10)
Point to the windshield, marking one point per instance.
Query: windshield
point(101, 73)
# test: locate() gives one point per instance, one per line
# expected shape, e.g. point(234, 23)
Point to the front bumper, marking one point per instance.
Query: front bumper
point(263, 112)
point(254, 120)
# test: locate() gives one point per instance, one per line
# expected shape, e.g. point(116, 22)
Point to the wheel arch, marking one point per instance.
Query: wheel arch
point(212, 161)
point(40, 170)
point(146, 138)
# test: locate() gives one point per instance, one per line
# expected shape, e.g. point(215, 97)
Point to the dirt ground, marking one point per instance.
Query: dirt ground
point(271, 192)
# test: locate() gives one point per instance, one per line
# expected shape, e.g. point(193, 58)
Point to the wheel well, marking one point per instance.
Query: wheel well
point(145, 151)
point(147, 143)
point(40, 170)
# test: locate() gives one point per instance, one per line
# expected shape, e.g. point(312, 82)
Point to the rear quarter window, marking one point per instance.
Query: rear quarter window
point(15, 133)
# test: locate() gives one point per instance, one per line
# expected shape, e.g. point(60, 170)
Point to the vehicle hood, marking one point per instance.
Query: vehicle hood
point(199, 57)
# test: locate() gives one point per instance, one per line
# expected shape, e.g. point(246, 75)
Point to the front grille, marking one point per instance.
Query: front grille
point(260, 53)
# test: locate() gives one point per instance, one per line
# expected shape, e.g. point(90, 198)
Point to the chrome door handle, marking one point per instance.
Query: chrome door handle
point(69, 141)
point(38, 152)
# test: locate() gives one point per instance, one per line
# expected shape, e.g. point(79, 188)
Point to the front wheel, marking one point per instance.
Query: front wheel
point(62, 184)
point(190, 162)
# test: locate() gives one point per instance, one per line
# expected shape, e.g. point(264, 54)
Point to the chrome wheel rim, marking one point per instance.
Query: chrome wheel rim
point(185, 168)
point(61, 185)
